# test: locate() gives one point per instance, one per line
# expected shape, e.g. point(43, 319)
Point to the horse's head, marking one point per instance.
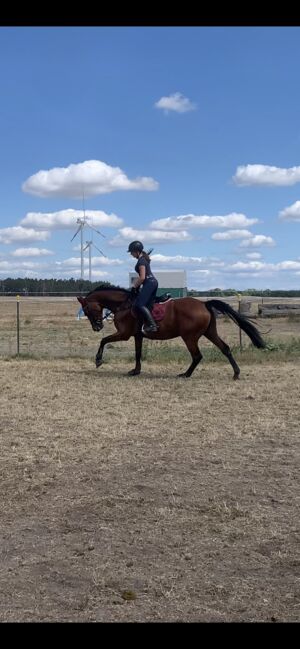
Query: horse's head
point(94, 312)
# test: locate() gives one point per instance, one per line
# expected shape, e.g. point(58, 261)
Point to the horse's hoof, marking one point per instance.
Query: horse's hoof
point(236, 377)
point(183, 375)
point(133, 372)
point(98, 362)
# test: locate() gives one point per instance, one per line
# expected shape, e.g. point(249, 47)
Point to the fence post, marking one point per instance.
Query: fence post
point(239, 310)
point(18, 325)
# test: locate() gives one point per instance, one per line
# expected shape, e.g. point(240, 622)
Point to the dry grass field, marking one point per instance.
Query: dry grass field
point(49, 329)
point(149, 498)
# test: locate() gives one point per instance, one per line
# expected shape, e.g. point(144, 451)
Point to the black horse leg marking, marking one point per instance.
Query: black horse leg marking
point(196, 355)
point(138, 340)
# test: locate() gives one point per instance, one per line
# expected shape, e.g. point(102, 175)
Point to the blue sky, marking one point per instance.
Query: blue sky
point(187, 138)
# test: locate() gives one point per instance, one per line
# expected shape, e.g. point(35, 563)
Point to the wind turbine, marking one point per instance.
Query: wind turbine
point(81, 221)
point(89, 245)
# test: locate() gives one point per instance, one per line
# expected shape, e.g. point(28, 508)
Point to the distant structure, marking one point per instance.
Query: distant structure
point(169, 281)
point(80, 313)
point(89, 245)
point(107, 314)
point(82, 222)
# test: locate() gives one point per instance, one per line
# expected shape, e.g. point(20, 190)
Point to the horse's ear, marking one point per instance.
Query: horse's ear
point(81, 300)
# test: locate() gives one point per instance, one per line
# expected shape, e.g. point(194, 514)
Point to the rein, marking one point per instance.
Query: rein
point(127, 304)
point(107, 315)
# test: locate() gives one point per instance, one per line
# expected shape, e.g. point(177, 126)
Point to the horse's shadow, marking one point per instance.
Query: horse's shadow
point(109, 374)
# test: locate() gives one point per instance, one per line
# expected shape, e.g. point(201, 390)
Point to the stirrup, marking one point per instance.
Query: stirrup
point(149, 329)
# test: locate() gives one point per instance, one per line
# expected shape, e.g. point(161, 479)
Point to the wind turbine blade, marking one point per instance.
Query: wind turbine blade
point(102, 253)
point(83, 205)
point(98, 231)
point(76, 232)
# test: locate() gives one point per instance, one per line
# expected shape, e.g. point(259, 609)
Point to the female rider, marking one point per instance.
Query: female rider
point(148, 282)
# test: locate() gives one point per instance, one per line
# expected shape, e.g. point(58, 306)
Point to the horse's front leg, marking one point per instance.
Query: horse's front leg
point(104, 341)
point(138, 339)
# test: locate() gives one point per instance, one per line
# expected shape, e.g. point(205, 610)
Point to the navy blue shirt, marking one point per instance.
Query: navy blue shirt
point(143, 262)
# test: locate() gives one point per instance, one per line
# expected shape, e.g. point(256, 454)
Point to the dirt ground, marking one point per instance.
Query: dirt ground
point(150, 498)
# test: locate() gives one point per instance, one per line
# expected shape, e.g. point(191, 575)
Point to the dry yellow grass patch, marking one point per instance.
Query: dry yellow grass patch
point(149, 498)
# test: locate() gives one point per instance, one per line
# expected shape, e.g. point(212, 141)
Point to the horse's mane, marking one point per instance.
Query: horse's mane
point(108, 288)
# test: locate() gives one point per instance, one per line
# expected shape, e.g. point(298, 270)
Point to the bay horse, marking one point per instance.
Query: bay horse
point(185, 317)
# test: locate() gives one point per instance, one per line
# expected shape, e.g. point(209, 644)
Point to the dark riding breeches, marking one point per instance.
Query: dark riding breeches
point(147, 293)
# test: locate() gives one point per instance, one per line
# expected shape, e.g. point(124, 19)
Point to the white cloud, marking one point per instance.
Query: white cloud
point(18, 233)
point(106, 261)
point(74, 272)
point(233, 220)
point(203, 272)
point(180, 259)
point(266, 175)
point(99, 274)
point(250, 266)
point(291, 213)
point(7, 266)
point(253, 255)
point(91, 177)
point(96, 261)
point(18, 271)
point(148, 236)
point(260, 266)
point(176, 102)
point(232, 234)
point(66, 219)
point(257, 241)
point(31, 252)
point(288, 265)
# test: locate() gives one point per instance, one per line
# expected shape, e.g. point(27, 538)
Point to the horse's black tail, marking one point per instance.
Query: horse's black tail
point(241, 320)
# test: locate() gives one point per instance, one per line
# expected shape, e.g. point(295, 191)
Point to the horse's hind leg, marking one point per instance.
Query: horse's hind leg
point(212, 335)
point(192, 345)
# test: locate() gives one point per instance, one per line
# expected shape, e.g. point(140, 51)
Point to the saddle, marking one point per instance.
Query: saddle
point(158, 309)
point(162, 298)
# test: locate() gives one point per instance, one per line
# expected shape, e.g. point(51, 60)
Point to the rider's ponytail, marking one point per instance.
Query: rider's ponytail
point(147, 254)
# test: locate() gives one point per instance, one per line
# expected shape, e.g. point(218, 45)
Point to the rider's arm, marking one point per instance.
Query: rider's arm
point(139, 280)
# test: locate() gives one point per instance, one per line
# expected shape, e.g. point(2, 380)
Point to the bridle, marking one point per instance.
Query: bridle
point(97, 321)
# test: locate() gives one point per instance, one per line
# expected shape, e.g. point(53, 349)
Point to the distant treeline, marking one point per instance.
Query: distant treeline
point(267, 292)
point(31, 286)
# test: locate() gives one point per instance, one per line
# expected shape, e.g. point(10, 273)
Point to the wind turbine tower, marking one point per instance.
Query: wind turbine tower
point(82, 221)
point(89, 245)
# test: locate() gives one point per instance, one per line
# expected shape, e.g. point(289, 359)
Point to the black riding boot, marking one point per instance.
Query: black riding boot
point(151, 325)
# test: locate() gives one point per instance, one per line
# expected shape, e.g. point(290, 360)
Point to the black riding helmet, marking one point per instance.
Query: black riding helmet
point(135, 246)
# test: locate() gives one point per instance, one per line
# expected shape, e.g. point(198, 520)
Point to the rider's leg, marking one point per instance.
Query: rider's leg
point(146, 295)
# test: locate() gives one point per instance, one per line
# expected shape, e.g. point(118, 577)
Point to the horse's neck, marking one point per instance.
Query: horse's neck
point(112, 301)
